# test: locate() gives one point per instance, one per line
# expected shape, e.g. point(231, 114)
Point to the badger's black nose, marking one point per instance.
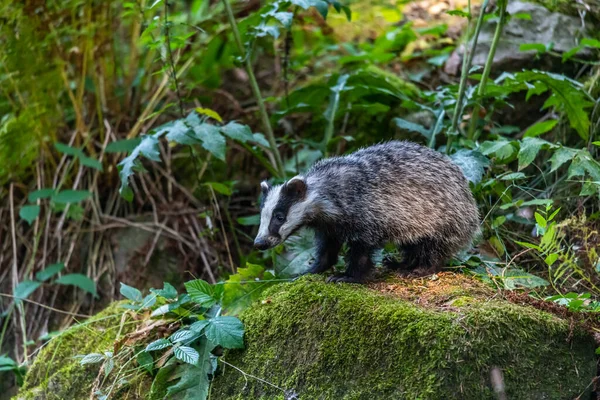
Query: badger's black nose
point(261, 244)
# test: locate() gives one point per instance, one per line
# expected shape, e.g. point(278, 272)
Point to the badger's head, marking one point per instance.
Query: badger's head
point(284, 209)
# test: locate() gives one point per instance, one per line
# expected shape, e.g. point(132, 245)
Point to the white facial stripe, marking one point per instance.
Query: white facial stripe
point(296, 215)
point(267, 211)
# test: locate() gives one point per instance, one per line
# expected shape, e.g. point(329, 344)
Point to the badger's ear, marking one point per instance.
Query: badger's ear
point(264, 187)
point(296, 187)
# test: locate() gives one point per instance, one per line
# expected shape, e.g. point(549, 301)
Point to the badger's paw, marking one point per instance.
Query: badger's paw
point(343, 279)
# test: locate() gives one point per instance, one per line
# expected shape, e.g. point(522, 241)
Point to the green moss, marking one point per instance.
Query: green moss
point(350, 342)
point(56, 372)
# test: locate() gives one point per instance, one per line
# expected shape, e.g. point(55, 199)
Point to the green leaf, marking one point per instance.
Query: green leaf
point(90, 162)
point(25, 288)
point(551, 259)
point(186, 354)
point(220, 188)
point(71, 196)
point(285, 18)
point(561, 156)
point(81, 281)
point(123, 146)
point(541, 221)
point(182, 336)
point(459, 13)
point(540, 128)
point(68, 150)
point(410, 126)
point(168, 291)
point(29, 213)
point(148, 147)
point(260, 139)
point(200, 292)
point(472, 164)
point(92, 358)
point(226, 331)
point(539, 47)
point(212, 140)
point(198, 326)
point(513, 176)
point(40, 194)
point(179, 132)
point(589, 42)
point(530, 147)
point(158, 345)
point(131, 293)
point(49, 271)
point(239, 132)
point(250, 220)
point(209, 113)
point(194, 383)
point(145, 360)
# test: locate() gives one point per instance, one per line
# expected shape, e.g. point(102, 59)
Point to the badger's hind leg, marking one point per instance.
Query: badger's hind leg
point(359, 264)
point(327, 250)
point(425, 257)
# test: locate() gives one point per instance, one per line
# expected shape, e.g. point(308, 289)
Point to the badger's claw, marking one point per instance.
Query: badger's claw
point(343, 279)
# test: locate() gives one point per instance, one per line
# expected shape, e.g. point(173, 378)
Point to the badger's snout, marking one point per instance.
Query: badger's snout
point(262, 243)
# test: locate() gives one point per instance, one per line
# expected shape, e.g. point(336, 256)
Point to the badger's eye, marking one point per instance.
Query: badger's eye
point(279, 217)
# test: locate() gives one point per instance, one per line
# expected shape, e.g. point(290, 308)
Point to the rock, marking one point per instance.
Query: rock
point(544, 27)
point(434, 339)
point(400, 338)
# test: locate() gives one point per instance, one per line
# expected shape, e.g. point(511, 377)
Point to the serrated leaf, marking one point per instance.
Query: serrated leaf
point(92, 358)
point(122, 146)
point(212, 140)
point(198, 326)
point(49, 272)
point(194, 382)
point(182, 336)
point(186, 354)
point(540, 128)
point(179, 132)
point(239, 132)
point(530, 147)
point(158, 345)
point(200, 292)
point(168, 291)
point(285, 18)
point(40, 194)
point(561, 156)
point(209, 113)
point(472, 164)
point(29, 213)
point(24, 289)
point(130, 293)
point(226, 331)
point(79, 280)
point(148, 147)
point(71, 196)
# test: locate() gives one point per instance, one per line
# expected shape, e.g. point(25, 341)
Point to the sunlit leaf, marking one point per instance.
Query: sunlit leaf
point(540, 128)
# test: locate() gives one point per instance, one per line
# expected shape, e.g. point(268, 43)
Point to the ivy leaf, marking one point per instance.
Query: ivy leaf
point(81, 281)
point(122, 146)
point(186, 354)
point(472, 164)
point(158, 345)
point(212, 140)
point(29, 213)
point(49, 272)
point(226, 331)
point(40, 194)
point(530, 147)
point(239, 132)
point(92, 358)
point(540, 128)
point(24, 289)
point(130, 293)
point(71, 196)
point(200, 292)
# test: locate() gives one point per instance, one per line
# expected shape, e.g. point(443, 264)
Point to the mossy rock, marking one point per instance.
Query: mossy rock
point(395, 339)
point(327, 341)
point(56, 373)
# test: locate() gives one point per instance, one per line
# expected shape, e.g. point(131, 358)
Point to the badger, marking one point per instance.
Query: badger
point(395, 192)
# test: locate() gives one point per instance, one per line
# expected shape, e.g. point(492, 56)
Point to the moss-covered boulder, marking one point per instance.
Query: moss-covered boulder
point(396, 339)
point(56, 373)
point(406, 339)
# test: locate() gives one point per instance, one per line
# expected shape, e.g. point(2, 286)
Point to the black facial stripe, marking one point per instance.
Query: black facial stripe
point(281, 208)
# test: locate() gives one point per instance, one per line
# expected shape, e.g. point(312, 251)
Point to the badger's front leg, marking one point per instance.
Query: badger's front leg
point(360, 262)
point(327, 250)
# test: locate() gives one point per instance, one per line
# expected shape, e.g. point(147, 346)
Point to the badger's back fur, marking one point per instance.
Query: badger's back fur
point(397, 192)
